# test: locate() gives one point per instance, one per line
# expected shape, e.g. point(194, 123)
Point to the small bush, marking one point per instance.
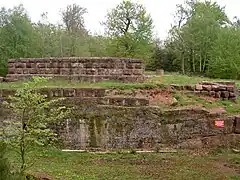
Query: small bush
point(4, 164)
point(5, 167)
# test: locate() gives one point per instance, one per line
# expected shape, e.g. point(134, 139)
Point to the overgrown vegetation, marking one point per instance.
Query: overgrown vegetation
point(27, 123)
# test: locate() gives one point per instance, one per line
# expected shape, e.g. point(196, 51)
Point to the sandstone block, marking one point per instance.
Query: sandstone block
point(90, 71)
point(89, 92)
point(64, 71)
point(127, 72)
point(198, 87)
point(120, 66)
point(40, 65)
point(215, 87)
point(1, 79)
point(230, 88)
point(28, 65)
point(222, 88)
point(218, 94)
point(225, 94)
point(197, 92)
point(57, 92)
point(130, 102)
point(69, 92)
point(205, 93)
point(11, 65)
point(231, 94)
point(137, 72)
point(207, 87)
point(138, 66)
point(118, 101)
point(177, 86)
point(18, 71)
point(189, 87)
point(42, 71)
point(208, 83)
point(142, 102)
point(99, 92)
point(130, 66)
point(25, 71)
point(11, 70)
point(212, 93)
point(20, 65)
point(33, 65)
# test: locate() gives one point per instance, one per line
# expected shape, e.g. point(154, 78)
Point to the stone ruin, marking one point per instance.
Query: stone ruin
point(221, 90)
point(110, 122)
point(104, 121)
point(90, 69)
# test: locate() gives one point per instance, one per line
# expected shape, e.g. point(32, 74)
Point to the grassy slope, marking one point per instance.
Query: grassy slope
point(184, 100)
point(152, 82)
point(192, 100)
point(182, 165)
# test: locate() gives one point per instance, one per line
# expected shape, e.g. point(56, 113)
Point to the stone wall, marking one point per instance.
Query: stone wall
point(93, 96)
point(147, 128)
point(223, 90)
point(143, 127)
point(77, 68)
point(127, 122)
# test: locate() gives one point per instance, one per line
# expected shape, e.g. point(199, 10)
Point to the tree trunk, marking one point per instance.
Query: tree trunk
point(183, 63)
point(200, 62)
point(193, 60)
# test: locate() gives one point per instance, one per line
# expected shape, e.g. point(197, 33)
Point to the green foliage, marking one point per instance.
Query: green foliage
point(204, 40)
point(27, 124)
point(129, 27)
point(17, 36)
point(225, 62)
point(6, 170)
point(4, 164)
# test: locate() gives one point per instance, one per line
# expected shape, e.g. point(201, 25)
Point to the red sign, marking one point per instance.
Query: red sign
point(219, 124)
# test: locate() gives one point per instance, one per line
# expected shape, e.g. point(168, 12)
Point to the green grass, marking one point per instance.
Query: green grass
point(183, 79)
point(181, 165)
point(74, 84)
point(157, 81)
point(194, 100)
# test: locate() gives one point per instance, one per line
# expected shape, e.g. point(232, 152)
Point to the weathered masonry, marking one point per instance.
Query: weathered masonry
point(110, 122)
point(77, 68)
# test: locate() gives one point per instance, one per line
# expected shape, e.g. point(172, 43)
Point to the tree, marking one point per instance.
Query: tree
point(225, 57)
point(28, 125)
point(129, 28)
point(73, 19)
point(17, 36)
point(194, 34)
point(162, 58)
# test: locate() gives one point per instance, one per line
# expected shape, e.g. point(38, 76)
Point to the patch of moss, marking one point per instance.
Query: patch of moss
point(91, 128)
